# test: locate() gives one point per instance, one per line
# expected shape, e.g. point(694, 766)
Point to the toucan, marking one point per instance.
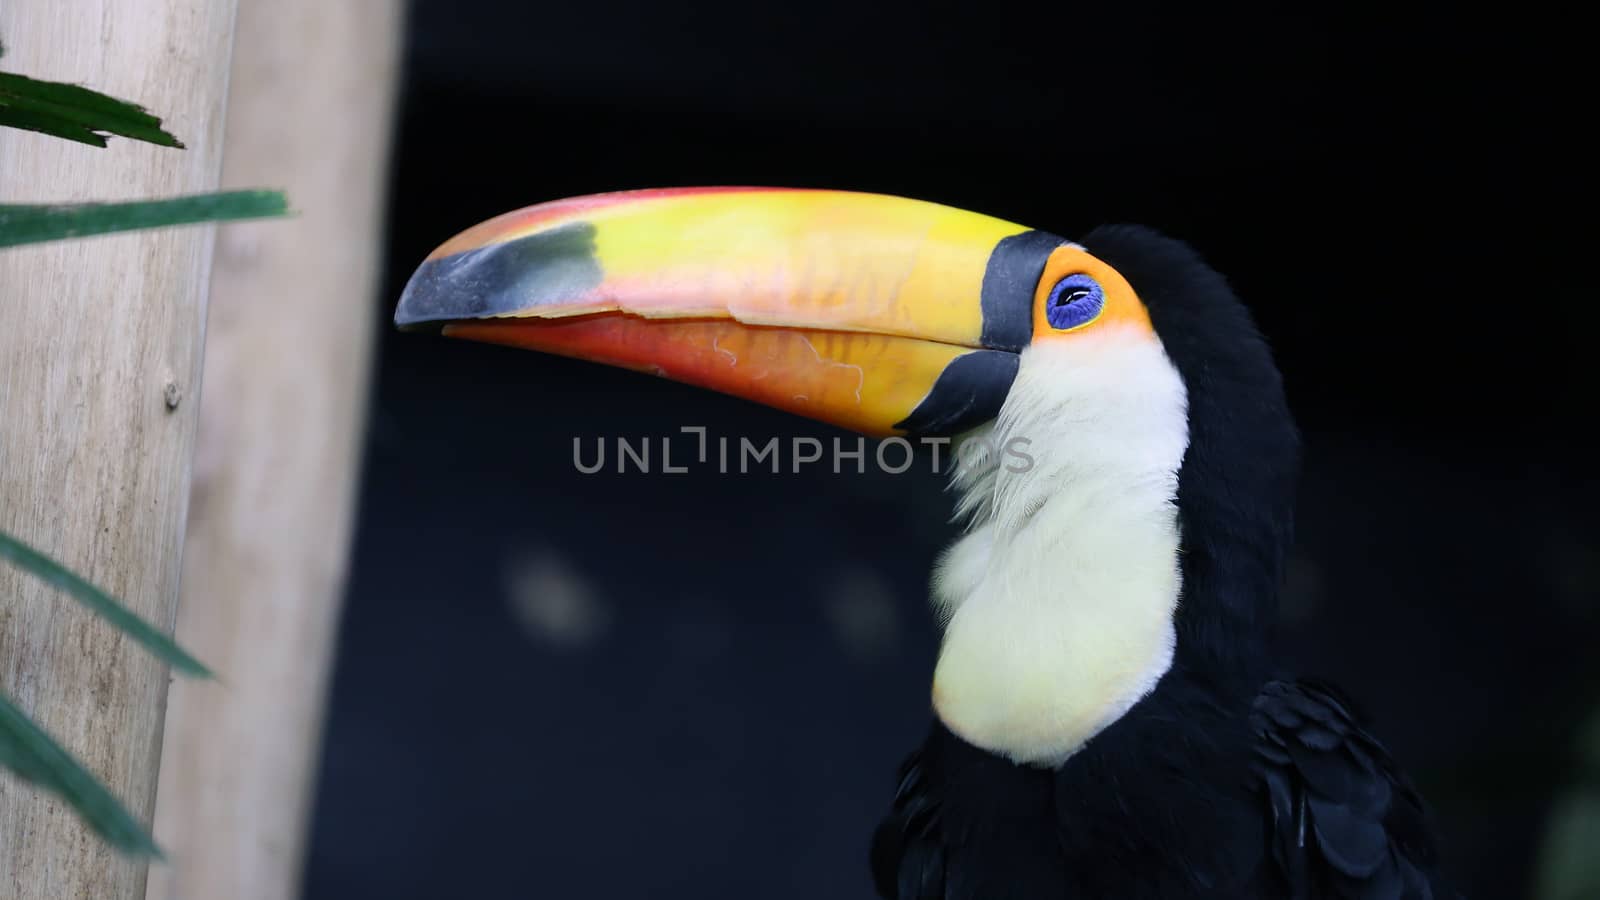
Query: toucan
point(1108, 718)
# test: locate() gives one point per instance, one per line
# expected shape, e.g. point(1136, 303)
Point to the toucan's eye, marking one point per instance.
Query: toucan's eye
point(1075, 300)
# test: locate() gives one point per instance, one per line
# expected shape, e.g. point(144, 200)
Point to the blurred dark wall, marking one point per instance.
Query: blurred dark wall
point(563, 685)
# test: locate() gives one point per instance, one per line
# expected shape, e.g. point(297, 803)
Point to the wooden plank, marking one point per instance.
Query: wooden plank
point(99, 369)
point(292, 316)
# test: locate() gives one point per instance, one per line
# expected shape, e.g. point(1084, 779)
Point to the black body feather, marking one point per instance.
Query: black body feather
point(1223, 782)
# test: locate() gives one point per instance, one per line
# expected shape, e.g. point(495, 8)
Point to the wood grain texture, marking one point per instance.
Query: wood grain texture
point(97, 335)
point(287, 356)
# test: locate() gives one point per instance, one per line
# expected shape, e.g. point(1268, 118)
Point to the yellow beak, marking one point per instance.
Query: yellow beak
point(879, 314)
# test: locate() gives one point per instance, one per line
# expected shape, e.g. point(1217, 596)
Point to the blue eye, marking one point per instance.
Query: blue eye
point(1074, 301)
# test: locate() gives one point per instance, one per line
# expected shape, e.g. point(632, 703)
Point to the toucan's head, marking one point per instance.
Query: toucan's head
point(1150, 450)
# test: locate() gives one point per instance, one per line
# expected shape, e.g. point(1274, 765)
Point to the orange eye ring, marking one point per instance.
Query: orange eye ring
point(1097, 297)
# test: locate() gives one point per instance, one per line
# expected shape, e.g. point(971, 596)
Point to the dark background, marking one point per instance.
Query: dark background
point(558, 685)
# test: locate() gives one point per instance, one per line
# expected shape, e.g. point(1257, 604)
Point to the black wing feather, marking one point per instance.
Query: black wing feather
point(907, 853)
point(1346, 823)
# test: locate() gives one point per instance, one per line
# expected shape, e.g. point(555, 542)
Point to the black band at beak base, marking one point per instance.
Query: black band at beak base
point(1009, 282)
point(968, 393)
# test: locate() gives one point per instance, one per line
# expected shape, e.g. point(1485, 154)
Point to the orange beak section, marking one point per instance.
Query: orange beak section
point(878, 314)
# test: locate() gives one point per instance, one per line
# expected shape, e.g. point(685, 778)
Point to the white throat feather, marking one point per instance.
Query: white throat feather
point(1058, 602)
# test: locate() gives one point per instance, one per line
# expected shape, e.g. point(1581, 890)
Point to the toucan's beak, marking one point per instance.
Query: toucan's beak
point(878, 314)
